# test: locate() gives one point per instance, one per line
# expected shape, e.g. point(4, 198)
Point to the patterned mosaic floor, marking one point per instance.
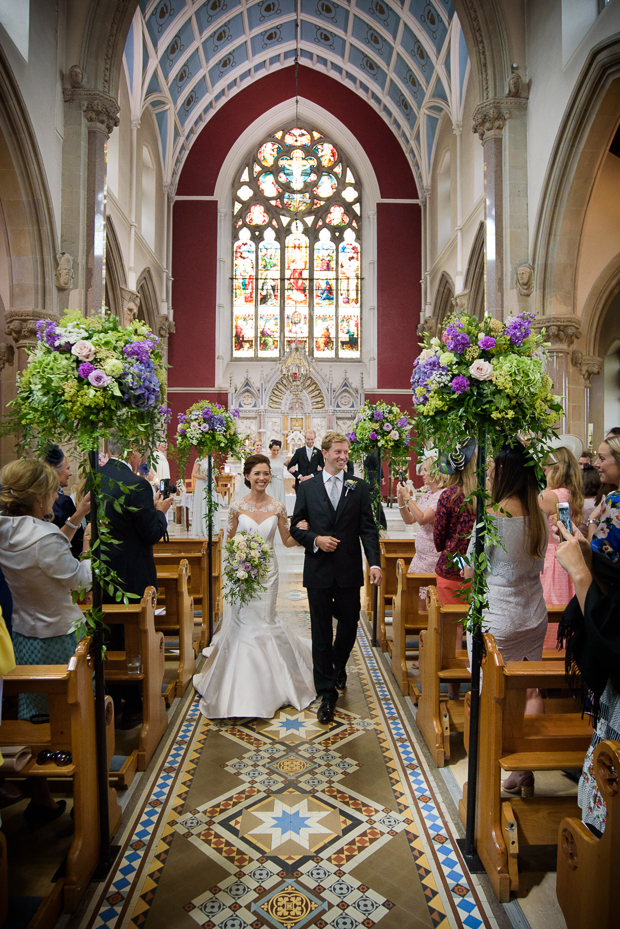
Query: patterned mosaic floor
point(288, 824)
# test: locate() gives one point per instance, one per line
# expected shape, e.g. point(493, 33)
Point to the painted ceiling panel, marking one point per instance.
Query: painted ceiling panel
point(207, 52)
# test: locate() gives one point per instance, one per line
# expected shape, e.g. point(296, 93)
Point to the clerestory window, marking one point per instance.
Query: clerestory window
point(297, 249)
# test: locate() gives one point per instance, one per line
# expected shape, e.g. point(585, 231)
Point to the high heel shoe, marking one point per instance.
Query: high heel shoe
point(520, 782)
point(37, 815)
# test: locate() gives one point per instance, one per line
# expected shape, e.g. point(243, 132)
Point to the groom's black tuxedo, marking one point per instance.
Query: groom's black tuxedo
point(304, 464)
point(333, 579)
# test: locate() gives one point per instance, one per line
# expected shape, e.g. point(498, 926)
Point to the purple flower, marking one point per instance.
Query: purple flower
point(373, 436)
point(486, 343)
point(181, 417)
point(407, 439)
point(207, 414)
point(181, 430)
point(460, 384)
point(98, 378)
point(518, 328)
point(204, 427)
point(350, 436)
point(387, 427)
point(48, 332)
point(403, 422)
point(378, 415)
point(236, 413)
point(139, 350)
point(85, 369)
point(140, 385)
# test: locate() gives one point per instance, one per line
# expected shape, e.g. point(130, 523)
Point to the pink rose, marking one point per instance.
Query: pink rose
point(99, 378)
point(481, 370)
point(84, 350)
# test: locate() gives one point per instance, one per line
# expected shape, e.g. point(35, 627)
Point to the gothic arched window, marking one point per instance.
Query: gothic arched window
point(296, 249)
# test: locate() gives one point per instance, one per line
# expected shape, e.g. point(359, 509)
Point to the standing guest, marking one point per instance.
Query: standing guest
point(67, 516)
point(590, 486)
point(339, 513)
point(563, 486)
point(423, 513)
point(306, 461)
point(606, 489)
point(585, 460)
point(41, 571)
point(160, 459)
point(258, 447)
point(454, 520)
point(276, 487)
point(516, 614)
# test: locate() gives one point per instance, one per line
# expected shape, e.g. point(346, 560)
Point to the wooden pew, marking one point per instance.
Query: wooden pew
point(141, 639)
point(178, 621)
point(194, 551)
point(588, 888)
point(71, 728)
point(391, 551)
point(407, 619)
point(511, 741)
point(442, 660)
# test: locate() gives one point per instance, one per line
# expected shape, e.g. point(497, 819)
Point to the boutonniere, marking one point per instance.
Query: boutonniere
point(349, 485)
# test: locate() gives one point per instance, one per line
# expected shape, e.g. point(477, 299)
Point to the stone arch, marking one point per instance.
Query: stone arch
point(149, 304)
point(491, 49)
point(115, 276)
point(99, 53)
point(474, 276)
point(444, 300)
point(589, 123)
point(25, 202)
point(603, 291)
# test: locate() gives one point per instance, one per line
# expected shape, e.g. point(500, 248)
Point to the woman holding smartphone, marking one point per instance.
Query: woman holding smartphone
point(564, 485)
point(423, 514)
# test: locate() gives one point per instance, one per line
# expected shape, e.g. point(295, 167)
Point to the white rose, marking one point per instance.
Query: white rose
point(426, 354)
point(394, 434)
point(242, 574)
point(84, 350)
point(481, 370)
point(73, 334)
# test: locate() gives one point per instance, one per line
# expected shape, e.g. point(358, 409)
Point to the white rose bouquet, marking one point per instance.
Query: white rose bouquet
point(246, 562)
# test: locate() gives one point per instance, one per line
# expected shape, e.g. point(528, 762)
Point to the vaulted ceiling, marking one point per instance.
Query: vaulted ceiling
point(185, 59)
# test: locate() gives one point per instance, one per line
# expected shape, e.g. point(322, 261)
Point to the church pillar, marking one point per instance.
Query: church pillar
point(133, 171)
point(588, 366)
point(561, 332)
point(459, 275)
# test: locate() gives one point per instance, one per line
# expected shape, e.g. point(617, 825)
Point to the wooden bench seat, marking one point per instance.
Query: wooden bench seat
point(141, 639)
point(391, 551)
point(407, 620)
point(71, 728)
point(168, 556)
point(511, 741)
point(178, 621)
point(588, 888)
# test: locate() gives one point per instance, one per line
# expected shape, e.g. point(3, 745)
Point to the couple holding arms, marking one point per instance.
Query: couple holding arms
point(259, 662)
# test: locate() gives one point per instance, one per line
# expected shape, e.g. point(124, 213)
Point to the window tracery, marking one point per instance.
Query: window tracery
point(296, 249)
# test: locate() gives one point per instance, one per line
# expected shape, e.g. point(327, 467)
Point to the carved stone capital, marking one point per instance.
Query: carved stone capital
point(164, 326)
point(21, 325)
point(171, 191)
point(64, 275)
point(100, 109)
point(489, 118)
point(461, 301)
point(589, 365)
point(131, 305)
point(427, 325)
point(560, 331)
point(7, 354)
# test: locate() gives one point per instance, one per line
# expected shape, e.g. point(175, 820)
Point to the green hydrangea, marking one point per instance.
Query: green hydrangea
point(519, 376)
point(113, 367)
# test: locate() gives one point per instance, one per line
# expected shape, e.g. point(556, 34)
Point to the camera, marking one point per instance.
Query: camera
point(401, 478)
point(166, 488)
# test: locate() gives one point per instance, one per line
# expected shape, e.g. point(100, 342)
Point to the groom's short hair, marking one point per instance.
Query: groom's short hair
point(331, 437)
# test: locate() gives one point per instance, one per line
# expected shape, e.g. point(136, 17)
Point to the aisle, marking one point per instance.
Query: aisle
point(287, 824)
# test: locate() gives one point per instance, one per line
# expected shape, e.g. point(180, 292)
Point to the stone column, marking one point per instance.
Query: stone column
point(101, 113)
point(489, 121)
point(133, 162)
point(561, 332)
point(588, 366)
point(459, 275)
point(21, 325)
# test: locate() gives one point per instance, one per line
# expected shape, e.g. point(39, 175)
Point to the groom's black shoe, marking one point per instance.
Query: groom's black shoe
point(325, 713)
point(341, 680)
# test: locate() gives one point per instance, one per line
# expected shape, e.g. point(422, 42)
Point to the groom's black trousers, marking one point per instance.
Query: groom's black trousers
point(330, 656)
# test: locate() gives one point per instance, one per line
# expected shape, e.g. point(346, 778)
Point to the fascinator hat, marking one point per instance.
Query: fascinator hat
point(572, 442)
point(54, 456)
point(459, 458)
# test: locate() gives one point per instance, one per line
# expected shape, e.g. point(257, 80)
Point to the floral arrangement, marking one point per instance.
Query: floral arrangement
point(484, 379)
point(380, 427)
point(85, 377)
point(246, 562)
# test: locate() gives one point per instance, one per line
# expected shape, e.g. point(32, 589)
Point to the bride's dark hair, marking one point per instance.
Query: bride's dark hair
point(250, 463)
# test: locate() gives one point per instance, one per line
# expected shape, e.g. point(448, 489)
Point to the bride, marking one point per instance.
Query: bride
point(258, 662)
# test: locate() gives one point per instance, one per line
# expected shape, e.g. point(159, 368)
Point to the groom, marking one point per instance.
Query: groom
point(339, 512)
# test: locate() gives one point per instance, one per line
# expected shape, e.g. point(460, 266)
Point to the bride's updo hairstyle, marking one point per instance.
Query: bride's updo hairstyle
point(24, 482)
point(251, 463)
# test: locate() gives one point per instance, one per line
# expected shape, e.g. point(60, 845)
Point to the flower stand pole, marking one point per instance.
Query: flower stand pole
point(107, 852)
point(468, 844)
point(375, 609)
point(210, 540)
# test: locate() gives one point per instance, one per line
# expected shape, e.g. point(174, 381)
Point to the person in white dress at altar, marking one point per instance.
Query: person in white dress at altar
point(160, 459)
point(258, 662)
point(199, 510)
point(276, 487)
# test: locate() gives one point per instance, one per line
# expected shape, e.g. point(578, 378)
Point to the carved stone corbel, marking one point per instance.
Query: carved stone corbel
point(589, 366)
point(560, 331)
point(64, 274)
point(100, 110)
point(7, 354)
point(21, 325)
point(131, 305)
point(427, 325)
point(524, 275)
point(460, 302)
point(164, 326)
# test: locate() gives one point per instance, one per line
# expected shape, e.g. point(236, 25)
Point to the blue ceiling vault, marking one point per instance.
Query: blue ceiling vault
point(185, 59)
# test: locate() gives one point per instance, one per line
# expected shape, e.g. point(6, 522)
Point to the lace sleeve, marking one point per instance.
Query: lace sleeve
point(233, 519)
point(280, 510)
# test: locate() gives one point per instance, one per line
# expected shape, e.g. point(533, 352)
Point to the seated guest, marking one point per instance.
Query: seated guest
point(67, 517)
point(41, 571)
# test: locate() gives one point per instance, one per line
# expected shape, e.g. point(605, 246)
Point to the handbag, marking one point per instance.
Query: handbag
point(15, 757)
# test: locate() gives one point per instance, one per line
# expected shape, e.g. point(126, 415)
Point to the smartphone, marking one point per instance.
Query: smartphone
point(401, 478)
point(563, 511)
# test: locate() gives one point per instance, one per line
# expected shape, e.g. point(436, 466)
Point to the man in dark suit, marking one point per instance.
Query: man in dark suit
point(338, 510)
point(308, 460)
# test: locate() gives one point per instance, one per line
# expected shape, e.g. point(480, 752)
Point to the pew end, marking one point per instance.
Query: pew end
point(392, 551)
point(587, 885)
point(407, 619)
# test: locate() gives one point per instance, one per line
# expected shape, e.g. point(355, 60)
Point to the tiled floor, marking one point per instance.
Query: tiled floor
point(287, 824)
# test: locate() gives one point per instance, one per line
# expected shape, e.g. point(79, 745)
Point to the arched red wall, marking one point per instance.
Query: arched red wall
point(194, 261)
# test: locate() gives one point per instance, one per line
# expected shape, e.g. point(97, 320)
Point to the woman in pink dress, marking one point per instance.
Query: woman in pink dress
point(563, 486)
point(423, 514)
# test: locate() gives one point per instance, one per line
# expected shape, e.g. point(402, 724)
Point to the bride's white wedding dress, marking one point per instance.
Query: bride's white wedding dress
point(258, 662)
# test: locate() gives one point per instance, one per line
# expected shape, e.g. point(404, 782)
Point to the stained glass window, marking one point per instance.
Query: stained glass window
point(297, 249)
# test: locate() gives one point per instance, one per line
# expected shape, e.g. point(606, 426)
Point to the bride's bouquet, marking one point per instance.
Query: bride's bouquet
point(246, 562)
